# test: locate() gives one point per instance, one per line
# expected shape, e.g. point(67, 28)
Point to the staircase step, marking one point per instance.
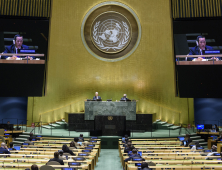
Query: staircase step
point(203, 143)
point(195, 137)
point(17, 142)
point(54, 125)
point(158, 120)
point(48, 127)
point(28, 133)
point(192, 134)
point(168, 125)
point(61, 123)
point(21, 139)
point(175, 127)
point(198, 140)
point(161, 123)
point(24, 136)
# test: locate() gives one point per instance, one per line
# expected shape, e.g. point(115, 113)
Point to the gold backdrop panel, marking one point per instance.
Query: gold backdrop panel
point(74, 74)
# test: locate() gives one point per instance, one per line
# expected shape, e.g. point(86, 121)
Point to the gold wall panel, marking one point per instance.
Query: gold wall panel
point(147, 75)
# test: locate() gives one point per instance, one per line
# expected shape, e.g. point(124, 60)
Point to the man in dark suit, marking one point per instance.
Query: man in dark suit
point(4, 149)
point(17, 44)
point(144, 166)
point(56, 158)
point(97, 97)
point(134, 155)
point(124, 97)
point(199, 48)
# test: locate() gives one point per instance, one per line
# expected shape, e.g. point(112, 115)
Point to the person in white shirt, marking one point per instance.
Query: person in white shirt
point(213, 150)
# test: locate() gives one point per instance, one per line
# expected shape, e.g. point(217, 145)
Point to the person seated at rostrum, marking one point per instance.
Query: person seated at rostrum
point(97, 97)
point(81, 139)
point(66, 149)
point(61, 156)
point(124, 97)
point(72, 144)
point(213, 151)
point(134, 155)
point(4, 149)
point(56, 158)
point(144, 166)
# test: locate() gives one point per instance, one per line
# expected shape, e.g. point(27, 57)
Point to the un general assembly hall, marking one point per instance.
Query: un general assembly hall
point(111, 85)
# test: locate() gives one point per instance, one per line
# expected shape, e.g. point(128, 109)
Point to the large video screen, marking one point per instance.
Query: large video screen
point(198, 54)
point(23, 56)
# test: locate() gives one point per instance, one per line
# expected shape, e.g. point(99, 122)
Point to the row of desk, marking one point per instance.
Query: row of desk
point(169, 156)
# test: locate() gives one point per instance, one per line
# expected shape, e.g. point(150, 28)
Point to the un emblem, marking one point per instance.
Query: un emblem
point(110, 118)
point(111, 32)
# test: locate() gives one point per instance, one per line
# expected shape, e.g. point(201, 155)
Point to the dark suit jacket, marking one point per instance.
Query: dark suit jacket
point(188, 142)
point(124, 98)
point(57, 160)
point(81, 138)
point(69, 151)
point(131, 157)
point(195, 51)
point(3, 150)
point(145, 169)
point(11, 49)
point(94, 98)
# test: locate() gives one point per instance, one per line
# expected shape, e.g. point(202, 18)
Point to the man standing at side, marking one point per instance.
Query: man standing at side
point(97, 97)
point(4, 149)
point(199, 48)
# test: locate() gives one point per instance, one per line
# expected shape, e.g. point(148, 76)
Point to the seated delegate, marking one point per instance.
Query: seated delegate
point(56, 158)
point(4, 149)
point(134, 155)
point(17, 45)
point(199, 48)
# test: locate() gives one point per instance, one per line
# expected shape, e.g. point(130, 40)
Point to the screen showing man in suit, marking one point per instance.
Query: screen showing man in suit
point(97, 97)
point(15, 47)
point(199, 48)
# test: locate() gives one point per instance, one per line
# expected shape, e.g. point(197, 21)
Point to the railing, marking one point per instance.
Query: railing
point(70, 129)
point(23, 122)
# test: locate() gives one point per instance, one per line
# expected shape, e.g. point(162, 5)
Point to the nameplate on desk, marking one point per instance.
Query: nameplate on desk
point(110, 126)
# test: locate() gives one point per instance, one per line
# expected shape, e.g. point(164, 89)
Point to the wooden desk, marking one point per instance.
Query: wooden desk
point(14, 131)
point(208, 133)
point(211, 142)
point(3, 61)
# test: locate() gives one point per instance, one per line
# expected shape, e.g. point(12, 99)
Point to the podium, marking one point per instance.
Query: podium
point(107, 108)
point(110, 125)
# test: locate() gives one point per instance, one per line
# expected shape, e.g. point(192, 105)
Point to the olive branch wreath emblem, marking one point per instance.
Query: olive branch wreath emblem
point(100, 44)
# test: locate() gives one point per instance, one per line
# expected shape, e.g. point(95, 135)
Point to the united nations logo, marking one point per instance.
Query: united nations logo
point(110, 118)
point(111, 32)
